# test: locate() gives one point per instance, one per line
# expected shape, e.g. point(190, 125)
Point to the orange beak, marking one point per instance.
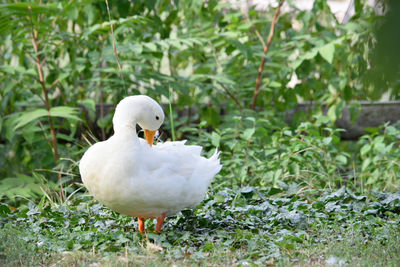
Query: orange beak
point(149, 135)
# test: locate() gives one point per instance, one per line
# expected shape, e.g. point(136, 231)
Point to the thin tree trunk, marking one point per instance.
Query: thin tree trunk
point(266, 48)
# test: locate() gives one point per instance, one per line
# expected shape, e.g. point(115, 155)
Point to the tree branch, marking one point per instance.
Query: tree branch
point(35, 44)
point(231, 95)
point(266, 48)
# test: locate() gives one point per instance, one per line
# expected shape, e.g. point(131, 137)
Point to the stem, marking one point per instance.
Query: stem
point(35, 43)
point(103, 133)
point(113, 38)
point(255, 30)
point(266, 48)
point(171, 117)
point(115, 47)
point(231, 95)
point(222, 85)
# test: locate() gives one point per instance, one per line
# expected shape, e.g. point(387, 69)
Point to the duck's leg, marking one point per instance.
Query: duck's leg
point(141, 225)
point(160, 222)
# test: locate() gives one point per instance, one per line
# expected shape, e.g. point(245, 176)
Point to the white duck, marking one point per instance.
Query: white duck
point(135, 178)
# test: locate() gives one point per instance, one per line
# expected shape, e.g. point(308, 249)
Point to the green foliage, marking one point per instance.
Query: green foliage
point(13, 249)
point(200, 60)
point(20, 186)
point(263, 152)
point(197, 55)
point(379, 157)
point(385, 63)
point(249, 224)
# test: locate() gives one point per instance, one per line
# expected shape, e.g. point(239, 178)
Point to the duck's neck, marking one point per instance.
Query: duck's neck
point(125, 128)
point(125, 119)
point(128, 130)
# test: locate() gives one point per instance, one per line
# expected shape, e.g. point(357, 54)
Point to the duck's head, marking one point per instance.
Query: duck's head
point(141, 110)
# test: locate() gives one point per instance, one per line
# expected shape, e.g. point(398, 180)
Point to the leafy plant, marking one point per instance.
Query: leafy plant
point(379, 158)
point(284, 189)
point(204, 56)
point(246, 224)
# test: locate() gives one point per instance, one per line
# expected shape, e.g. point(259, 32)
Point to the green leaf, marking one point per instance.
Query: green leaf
point(248, 133)
point(277, 174)
point(268, 152)
point(27, 9)
point(354, 110)
point(347, 93)
point(342, 159)
point(365, 149)
point(4, 210)
point(275, 84)
point(327, 51)
point(215, 139)
point(104, 121)
point(89, 104)
point(288, 132)
point(151, 46)
point(29, 116)
point(245, 50)
point(208, 246)
point(136, 48)
point(327, 140)
point(332, 113)
point(295, 64)
point(311, 54)
point(365, 164)
point(104, 27)
point(22, 185)
point(340, 107)
point(72, 13)
point(90, 12)
point(65, 112)
point(221, 78)
point(307, 56)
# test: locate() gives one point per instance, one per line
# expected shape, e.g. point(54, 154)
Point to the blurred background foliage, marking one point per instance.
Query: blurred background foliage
point(202, 57)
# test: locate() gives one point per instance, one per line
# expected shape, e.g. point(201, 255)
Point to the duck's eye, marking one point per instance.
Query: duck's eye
point(157, 118)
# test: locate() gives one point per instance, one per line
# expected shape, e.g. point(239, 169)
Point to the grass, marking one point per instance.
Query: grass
point(231, 227)
point(351, 248)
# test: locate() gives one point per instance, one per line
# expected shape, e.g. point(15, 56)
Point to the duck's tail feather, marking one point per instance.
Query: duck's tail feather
point(215, 165)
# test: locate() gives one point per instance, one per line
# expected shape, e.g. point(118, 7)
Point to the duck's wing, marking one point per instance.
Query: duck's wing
point(187, 160)
point(179, 173)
